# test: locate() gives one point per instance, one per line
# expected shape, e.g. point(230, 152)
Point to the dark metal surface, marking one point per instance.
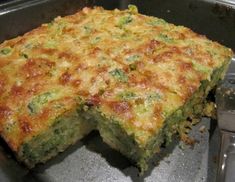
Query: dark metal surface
point(91, 159)
point(205, 17)
point(225, 99)
point(20, 16)
point(210, 18)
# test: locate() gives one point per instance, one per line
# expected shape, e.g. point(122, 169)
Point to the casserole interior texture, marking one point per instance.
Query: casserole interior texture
point(135, 78)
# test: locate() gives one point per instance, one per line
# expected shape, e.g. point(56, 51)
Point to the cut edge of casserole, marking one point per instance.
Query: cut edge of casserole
point(65, 131)
point(116, 136)
point(134, 78)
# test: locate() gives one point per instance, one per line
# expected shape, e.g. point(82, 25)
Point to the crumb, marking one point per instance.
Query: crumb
point(182, 146)
point(210, 110)
point(195, 121)
point(202, 129)
point(187, 140)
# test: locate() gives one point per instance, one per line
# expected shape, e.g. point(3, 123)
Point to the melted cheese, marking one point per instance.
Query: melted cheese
point(135, 68)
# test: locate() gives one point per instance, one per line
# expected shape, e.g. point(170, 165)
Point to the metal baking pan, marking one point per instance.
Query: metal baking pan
point(92, 160)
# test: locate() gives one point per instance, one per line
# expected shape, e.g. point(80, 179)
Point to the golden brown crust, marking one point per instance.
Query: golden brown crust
point(135, 68)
